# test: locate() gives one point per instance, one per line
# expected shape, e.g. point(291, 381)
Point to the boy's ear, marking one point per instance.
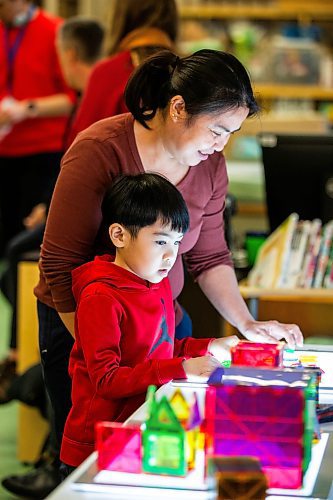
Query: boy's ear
point(118, 235)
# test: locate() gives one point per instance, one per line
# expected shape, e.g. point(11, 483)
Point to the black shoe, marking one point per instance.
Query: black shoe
point(37, 483)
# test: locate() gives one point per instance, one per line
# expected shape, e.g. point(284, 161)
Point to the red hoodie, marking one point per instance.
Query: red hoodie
point(124, 328)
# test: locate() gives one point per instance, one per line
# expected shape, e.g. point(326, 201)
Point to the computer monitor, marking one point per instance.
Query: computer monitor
point(298, 173)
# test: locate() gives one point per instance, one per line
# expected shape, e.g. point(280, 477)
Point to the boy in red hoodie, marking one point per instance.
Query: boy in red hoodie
point(124, 322)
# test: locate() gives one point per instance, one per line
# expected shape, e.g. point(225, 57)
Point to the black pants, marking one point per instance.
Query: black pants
point(65, 470)
point(55, 343)
point(24, 182)
point(25, 241)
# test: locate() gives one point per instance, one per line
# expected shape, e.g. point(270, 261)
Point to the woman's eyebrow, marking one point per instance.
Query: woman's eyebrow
point(225, 129)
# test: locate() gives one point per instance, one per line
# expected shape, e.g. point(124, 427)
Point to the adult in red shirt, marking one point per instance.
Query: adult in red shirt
point(79, 44)
point(34, 106)
point(182, 114)
point(137, 29)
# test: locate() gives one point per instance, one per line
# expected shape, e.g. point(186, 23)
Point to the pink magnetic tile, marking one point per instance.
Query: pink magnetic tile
point(118, 447)
point(257, 354)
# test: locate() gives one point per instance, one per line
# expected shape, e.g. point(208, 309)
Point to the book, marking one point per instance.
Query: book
point(312, 263)
point(299, 245)
point(306, 273)
point(273, 256)
point(323, 255)
point(328, 281)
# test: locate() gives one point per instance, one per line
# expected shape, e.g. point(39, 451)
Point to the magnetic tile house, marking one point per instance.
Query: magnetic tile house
point(270, 418)
point(164, 442)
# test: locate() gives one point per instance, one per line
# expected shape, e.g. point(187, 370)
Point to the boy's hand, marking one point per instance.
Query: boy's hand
point(200, 367)
point(220, 348)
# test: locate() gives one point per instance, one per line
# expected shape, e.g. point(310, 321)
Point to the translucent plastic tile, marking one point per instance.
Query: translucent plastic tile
point(257, 354)
point(118, 447)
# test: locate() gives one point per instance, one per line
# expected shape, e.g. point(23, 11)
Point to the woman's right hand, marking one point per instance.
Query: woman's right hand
point(200, 367)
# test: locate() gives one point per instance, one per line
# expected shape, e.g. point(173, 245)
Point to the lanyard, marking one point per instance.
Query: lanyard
point(12, 49)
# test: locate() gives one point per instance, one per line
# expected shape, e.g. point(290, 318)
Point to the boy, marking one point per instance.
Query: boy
point(124, 321)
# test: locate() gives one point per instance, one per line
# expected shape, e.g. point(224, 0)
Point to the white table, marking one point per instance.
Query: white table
point(79, 485)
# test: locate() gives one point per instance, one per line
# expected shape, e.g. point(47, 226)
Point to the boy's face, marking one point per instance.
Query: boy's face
point(151, 254)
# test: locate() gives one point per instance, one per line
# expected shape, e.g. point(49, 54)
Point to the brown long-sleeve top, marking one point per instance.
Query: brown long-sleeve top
point(75, 232)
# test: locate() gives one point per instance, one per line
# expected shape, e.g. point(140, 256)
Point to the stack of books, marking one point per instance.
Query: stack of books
point(298, 254)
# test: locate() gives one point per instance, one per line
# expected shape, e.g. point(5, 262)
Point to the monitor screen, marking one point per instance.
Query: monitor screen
point(298, 176)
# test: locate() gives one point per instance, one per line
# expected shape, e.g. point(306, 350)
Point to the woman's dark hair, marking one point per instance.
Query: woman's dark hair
point(136, 201)
point(210, 81)
point(130, 15)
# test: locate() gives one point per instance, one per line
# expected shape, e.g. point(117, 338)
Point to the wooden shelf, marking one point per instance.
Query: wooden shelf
point(251, 208)
point(313, 295)
point(272, 91)
point(303, 10)
point(280, 10)
point(310, 309)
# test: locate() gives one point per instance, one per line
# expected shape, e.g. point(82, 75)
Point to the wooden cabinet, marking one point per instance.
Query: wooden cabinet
point(32, 428)
point(311, 309)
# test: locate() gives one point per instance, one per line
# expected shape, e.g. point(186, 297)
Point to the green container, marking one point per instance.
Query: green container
point(253, 241)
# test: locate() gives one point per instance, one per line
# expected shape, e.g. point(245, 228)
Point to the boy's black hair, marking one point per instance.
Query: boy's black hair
point(137, 201)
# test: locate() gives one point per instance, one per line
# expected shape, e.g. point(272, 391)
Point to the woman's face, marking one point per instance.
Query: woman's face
point(192, 143)
point(9, 9)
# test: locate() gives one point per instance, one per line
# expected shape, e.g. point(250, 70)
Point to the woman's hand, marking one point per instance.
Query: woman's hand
point(273, 331)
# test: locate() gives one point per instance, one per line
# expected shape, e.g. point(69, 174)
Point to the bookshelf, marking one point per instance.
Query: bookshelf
point(290, 305)
point(313, 92)
point(269, 14)
point(290, 281)
point(270, 11)
point(315, 295)
point(311, 309)
point(274, 10)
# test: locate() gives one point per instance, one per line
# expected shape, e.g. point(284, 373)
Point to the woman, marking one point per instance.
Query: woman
point(182, 113)
point(138, 29)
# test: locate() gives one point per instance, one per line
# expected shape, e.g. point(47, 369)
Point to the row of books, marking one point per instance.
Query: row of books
point(298, 254)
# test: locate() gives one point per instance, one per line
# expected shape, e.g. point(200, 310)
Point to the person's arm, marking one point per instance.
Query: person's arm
point(221, 288)
point(92, 106)
point(101, 338)
point(191, 347)
point(210, 263)
point(68, 320)
point(104, 94)
point(74, 217)
point(195, 348)
point(39, 107)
